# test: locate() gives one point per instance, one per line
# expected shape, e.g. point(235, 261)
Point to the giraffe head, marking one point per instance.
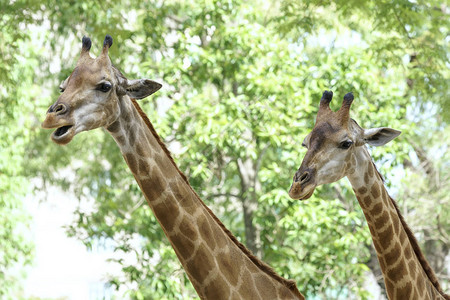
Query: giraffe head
point(91, 95)
point(333, 145)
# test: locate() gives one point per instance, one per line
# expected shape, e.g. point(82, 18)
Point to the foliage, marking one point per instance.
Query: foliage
point(242, 80)
point(391, 32)
point(16, 94)
point(429, 170)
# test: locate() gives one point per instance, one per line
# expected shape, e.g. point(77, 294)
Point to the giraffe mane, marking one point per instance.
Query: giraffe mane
point(423, 261)
point(260, 264)
point(415, 245)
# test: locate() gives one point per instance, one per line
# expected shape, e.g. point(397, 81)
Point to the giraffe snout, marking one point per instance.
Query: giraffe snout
point(302, 186)
point(303, 176)
point(58, 108)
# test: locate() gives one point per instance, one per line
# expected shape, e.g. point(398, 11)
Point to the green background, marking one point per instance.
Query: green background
point(241, 85)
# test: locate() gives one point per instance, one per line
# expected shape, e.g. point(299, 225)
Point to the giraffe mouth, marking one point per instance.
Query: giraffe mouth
point(297, 192)
point(63, 134)
point(62, 130)
point(307, 196)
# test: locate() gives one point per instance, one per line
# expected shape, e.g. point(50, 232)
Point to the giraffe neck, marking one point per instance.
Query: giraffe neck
point(218, 266)
point(406, 272)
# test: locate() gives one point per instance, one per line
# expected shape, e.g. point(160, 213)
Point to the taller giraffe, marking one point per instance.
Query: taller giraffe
point(96, 94)
point(336, 148)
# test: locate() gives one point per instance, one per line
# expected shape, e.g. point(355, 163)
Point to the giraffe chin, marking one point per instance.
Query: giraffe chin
point(63, 135)
point(298, 193)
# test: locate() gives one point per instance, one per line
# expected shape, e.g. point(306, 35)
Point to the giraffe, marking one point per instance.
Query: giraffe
point(97, 94)
point(336, 148)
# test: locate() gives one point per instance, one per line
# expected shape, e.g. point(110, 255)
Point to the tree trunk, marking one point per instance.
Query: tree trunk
point(374, 266)
point(250, 187)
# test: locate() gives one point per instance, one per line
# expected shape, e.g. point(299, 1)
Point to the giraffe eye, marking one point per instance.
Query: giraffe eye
point(346, 144)
point(104, 87)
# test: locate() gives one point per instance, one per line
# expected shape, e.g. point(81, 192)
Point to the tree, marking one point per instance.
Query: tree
point(16, 91)
point(242, 80)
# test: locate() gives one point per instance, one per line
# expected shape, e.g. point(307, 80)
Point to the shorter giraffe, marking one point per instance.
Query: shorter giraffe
point(336, 148)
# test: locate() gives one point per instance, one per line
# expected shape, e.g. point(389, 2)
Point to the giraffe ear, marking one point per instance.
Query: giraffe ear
point(141, 88)
point(380, 136)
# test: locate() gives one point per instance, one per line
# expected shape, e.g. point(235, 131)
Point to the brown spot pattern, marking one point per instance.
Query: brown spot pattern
point(114, 127)
point(366, 178)
point(370, 169)
point(248, 291)
point(405, 292)
point(167, 168)
point(217, 289)
point(420, 292)
point(412, 268)
point(140, 150)
point(420, 285)
point(267, 288)
point(375, 190)
point(385, 237)
point(189, 229)
point(201, 264)
point(362, 190)
point(396, 273)
point(395, 222)
point(182, 245)
point(392, 256)
point(184, 196)
point(383, 265)
point(167, 213)
point(377, 209)
point(382, 220)
point(235, 296)
point(402, 236)
point(367, 201)
point(408, 252)
point(228, 264)
point(132, 163)
point(154, 186)
point(132, 136)
point(206, 232)
point(120, 139)
point(390, 289)
point(144, 167)
point(350, 170)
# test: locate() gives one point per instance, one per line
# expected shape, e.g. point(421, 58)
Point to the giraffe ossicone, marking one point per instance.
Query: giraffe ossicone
point(335, 149)
point(97, 94)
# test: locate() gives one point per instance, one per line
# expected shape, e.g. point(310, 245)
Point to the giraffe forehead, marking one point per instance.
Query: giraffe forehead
point(88, 74)
point(323, 129)
point(326, 132)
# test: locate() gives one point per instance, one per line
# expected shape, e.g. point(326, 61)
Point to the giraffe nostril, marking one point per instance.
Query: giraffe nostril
point(58, 109)
point(305, 177)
